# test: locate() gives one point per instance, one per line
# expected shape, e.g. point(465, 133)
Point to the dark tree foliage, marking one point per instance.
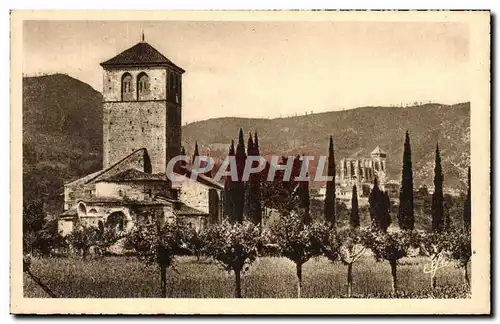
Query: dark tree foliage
point(379, 208)
point(406, 217)
point(437, 197)
point(467, 205)
point(228, 198)
point(239, 186)
point(183, 152)
point(195, 153)
point(330, 186)
point(33, 217)
point(304, 200)
point(253, 207)
point(354, 216)
point(385, 217)
point(282, 194)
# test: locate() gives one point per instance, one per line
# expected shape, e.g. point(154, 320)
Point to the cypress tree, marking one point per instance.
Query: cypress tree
point(183, 152)
point(250, 145)
point(385, 216)
point(196, 152)
point(406, 218)
point(239, 186)
point(305, 199)
point(354, 217)
point(329, 210)
point(437, 196)
point(379, 208)
point(228, 197)
point(253, 207)
point(467, 205)
point(375, 200)
point(257, 179)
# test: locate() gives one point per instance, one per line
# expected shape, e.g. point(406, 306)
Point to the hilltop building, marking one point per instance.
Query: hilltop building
point(142, 110)
point(362, 172)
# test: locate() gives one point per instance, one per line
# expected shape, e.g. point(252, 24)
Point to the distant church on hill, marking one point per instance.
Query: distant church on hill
point(142, 109)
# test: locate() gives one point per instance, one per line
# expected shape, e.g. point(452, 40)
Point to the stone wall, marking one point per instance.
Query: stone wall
point(141, 191)
point(128, 126)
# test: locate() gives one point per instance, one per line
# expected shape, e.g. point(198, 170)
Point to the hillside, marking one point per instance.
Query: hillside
point(356, 132)
point(62, 135)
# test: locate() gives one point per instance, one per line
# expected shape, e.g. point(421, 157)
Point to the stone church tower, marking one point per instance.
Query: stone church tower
point(142, 106)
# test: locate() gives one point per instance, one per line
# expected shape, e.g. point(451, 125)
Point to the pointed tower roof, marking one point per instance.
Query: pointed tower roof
point(141, 54)
point(378, 151)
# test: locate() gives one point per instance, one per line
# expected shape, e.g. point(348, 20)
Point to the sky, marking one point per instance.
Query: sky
point(271, 69)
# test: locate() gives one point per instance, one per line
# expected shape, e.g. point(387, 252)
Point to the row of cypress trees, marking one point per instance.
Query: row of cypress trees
point(380, 203)
point(244, 197)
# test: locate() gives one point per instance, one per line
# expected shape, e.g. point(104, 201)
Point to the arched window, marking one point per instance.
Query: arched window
point(116, 220)
point(82, 210)
point(142, 86)
point(127, 93)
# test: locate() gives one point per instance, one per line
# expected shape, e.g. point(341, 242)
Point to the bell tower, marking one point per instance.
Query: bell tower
point(379, 165)
point(142, 106)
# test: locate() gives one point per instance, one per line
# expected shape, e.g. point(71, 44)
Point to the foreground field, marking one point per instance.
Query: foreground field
point(269, 277)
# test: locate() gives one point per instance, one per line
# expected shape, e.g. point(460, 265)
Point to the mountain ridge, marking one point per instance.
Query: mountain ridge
point(62, 135)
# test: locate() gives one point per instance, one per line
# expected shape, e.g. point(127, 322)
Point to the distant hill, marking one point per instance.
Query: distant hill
point(62, 135)
point(356, 132)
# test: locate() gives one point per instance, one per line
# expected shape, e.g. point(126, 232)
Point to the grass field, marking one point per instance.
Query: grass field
point(269, 277)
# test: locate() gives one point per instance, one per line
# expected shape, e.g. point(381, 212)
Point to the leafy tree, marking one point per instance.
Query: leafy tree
point(46, 241)
point(298, 242)
point(437, 196)
point(347, 246)
point(434, 245)
point(157, 244)
point(406, 218)
point(83, 237)
point(33, 217)
point(235, 245)
point(391, 246)
point(330, 186)
point(354, 215)
point(194, 242)
point(33, 223)
point(460, 238)
point(460, 250)
point(281, 194)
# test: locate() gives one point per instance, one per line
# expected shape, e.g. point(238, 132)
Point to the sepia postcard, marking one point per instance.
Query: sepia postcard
point(250, 162)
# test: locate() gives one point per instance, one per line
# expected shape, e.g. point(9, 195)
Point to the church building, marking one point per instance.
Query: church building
point(142, 113)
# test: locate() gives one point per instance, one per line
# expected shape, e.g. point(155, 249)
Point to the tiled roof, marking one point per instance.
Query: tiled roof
point(185, 210)
point(181, 209)
point(70, 212)
point(123, 201)
point(378, 150)
point(141, 54)
point(201, 178)
point(135, 175)
point(98, 175)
